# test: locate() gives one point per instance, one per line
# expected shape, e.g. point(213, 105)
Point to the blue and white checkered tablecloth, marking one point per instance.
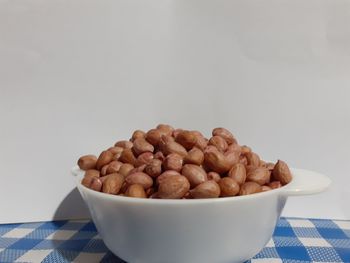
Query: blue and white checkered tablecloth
point(294, 240)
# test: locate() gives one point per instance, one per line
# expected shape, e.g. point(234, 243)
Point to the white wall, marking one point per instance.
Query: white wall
point(75, 76)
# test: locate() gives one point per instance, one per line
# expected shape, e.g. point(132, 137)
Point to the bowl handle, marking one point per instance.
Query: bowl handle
point(305, 183)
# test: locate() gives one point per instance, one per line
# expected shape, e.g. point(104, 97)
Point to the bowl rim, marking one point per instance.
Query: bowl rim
point(178, 201)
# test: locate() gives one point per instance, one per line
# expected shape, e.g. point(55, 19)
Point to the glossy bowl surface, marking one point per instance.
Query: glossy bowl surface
point(221, 230)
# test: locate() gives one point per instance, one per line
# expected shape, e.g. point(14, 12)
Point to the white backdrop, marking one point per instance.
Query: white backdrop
point(75, 76)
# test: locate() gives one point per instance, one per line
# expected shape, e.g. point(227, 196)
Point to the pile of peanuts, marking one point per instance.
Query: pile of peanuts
point(168, 163)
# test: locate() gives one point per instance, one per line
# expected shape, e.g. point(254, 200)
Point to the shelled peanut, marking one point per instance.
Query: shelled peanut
point(168, 163)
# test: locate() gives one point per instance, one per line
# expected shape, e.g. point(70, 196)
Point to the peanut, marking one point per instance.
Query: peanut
point(153, 136)
point(139, 178)
point(173, 187)
point(187, 139)
point(265, 188)
point(124, 144)
point(113, 183)
point(115, 150)
point(165, 175)
point(232, 158)
point(245, 149)
point(154, 168)
point(224, 133)
point(282, 173)
point(165, 128)
point(228, 187)
point(92, 173)
point(216, 161)
point(275, 184)
point(87, 162)
point(219, 143)
point(127, 156)
point(253, 159)
point(214, 176)
point(113, 167)
point(173, 162)
point(176, 132)
point(93, 183)
point(250, 188)
point(234, 148)
point(194, 156)
point(208, 189)
point(105, 158)
point(238, 173)
point(144, 158)
point(141, 146)
point(136, 190)
point(159, 155)
point(259, 175)
point(174, 147)
point(137, 135)
point(125, 168)
point(269, 166)
point(137, 169)
point(194, 174)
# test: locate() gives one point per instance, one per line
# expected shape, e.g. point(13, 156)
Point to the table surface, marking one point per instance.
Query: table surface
point(294, 240)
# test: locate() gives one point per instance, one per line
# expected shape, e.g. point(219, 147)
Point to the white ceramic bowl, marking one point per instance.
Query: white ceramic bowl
point(221, 230)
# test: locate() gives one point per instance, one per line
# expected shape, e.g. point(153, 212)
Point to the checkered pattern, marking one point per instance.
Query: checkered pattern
point(294, 241)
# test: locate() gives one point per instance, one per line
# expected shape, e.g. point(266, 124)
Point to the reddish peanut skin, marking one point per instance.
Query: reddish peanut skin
point(173, 162)
point(115, 150)
point(113, 183)
point(92, 173)
point(282, 173)
point(245, 149)
point(137, 134)
point(174, 147)
point(137, 169)
point(259, 175)
point(154, 168)
point(275, 184)
point(93, 183)
point(128, 156)
point(124, 144)
point(224, 133)
point(228, 187)
point(201, 143)
point(219, 143)
point(125, 169)
point(234, 148)
point(165, 128)
point(113, 167)
point(187, 139)
point(159, 155)
point(243, 160)
point(153, 136)
point(165, 175)
point(265, 188)
point(269, 166)
point(214, 176)
point(105, 158)
point(104, 170)
point(253, 159)
point(194, 174)
point(87, 162)
point(194, 156)
point(144, 158)
point(173, 187)
point(250, 188)
point(208, 189)
point(141, 146)
point(176, 132)
point(139, 178)
point(136, 190)
point(231, 158)
point(238, 173)
point(216, 161)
